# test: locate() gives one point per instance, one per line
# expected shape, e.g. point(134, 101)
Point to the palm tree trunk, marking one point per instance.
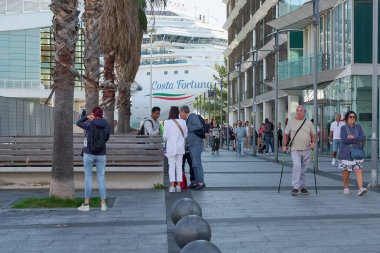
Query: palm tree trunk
point(65, 25)
point(109, 89)
point(92, 52)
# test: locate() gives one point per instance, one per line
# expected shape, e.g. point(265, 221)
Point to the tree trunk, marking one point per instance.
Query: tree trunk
point(109, 89)
point(92, 52)
point(65, 25)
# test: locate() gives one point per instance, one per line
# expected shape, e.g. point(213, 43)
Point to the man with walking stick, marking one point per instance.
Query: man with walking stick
point(302, 134)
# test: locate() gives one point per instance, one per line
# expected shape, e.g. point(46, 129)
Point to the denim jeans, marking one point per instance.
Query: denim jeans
point(300, 160)
point(100, 163)
point(269, 142)
point(195, 153)
point(240, 146)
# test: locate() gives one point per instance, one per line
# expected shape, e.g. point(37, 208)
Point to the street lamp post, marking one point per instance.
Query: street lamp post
point(208, 104)
point(215, 102)
point(238, 88)
point(228, 110)
point(151, 68)
point(315, 77)
point(221, 102)
point(204, 102)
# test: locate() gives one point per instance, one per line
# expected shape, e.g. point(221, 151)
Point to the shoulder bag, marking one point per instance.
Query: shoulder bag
point(356, 153)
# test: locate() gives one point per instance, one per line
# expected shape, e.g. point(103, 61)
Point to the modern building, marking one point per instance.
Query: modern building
point(344, 60)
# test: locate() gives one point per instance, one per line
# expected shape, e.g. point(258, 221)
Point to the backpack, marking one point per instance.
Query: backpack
point(201, 132)
point(268, 127)
point(98, 140)
point(142, 128)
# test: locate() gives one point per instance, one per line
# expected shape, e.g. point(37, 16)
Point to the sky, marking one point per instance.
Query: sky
point(215, 10)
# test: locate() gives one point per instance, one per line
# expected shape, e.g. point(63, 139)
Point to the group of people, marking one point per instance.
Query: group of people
point(182, 132)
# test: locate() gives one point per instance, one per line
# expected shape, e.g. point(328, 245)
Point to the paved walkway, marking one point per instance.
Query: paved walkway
point(240, 202)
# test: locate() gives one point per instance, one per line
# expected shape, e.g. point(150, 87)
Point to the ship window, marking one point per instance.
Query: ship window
point(176, 72)
point(148, 73)
point(186, 71)
point(165, 72)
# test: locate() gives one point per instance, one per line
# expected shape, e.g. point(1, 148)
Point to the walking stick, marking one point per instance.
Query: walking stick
point(315, 177)
point(282, 171)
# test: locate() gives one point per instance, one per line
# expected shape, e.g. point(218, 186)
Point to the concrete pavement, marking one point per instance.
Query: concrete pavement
point(240, 202)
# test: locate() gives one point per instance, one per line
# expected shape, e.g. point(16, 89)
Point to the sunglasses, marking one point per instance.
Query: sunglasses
point(352, 117)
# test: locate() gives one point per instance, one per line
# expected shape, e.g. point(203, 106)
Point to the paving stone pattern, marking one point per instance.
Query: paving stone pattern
point(240, 203)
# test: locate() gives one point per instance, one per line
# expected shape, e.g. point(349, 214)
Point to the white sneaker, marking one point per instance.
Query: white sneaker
point(362, 191)
point(103, 207)
point(333, 161)
point(346, 191)
point(172, 189)
point(178, 188)
point(84, 208)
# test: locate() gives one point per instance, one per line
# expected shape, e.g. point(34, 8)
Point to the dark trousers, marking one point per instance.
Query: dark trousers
point(187, 157)
point(215, 144)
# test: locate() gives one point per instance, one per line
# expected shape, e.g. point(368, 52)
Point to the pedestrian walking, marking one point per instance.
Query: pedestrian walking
point(207, 135)
point(215, 132)
point(175, 134)
point(302, 133)
point(268, 135)
point(195, 144)
point(334, 136)
point(351, 154)
point(241, 135)
point(97, 132)
point(279, 134)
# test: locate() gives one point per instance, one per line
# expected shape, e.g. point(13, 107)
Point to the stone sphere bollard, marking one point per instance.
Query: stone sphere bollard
point(200, 246)
point(184, 207)
point(191, 228)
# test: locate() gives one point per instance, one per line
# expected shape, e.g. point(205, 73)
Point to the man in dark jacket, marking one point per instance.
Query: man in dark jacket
point(88, 122)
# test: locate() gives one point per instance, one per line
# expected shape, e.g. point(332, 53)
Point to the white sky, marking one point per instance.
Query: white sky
point(215, 10)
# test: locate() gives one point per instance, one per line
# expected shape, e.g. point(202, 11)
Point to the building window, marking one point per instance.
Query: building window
point(148, 73)
point(165, 72)
point(175, 72)
point(186, 71)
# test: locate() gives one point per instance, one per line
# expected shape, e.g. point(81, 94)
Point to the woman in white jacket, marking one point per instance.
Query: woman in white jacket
point(175, 134)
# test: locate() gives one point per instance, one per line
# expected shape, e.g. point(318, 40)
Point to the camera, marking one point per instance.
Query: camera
point(83, 113)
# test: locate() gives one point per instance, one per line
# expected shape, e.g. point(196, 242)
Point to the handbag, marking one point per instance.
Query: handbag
point(356, 153)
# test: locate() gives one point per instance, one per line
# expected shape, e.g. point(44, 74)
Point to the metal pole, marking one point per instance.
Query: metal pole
point(221, 102)
point(208, 105)
point(375, 78)
point(228, 110)
point(254, 105)
point(200, 105)
point(204, 102)
point(151, 69)
point(215, 102)
point(238, 90)
point(315, 77)
point(275, 144)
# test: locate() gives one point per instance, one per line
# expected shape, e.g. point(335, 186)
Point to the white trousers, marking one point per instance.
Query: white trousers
point(175, 168)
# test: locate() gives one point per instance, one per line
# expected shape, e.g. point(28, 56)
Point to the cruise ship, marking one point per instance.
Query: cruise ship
point(179, 54)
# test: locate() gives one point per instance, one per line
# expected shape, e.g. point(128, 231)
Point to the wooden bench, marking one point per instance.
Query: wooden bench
point(133, 162)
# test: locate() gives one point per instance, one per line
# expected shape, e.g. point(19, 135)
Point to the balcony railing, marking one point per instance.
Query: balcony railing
point(147, 62)
point(20, 84)
point(301, 66)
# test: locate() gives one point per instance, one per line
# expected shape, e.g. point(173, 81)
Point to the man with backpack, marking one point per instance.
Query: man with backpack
point(268, 136)
point(151, 126)
point(97, 132)
point(194, 141)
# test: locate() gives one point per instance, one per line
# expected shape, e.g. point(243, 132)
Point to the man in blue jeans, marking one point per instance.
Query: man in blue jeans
point(195, 144)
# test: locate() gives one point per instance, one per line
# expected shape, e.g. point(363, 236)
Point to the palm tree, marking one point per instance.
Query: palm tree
point(92, 52)
point(65, 26)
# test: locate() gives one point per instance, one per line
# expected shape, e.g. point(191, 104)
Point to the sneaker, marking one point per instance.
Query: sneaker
point(362, 191)
point(294, 192)
point(333, 161)
point(84, 207)
point(103, 207)
point(178, 188)
point(304, 191)
point(192, 185)
point(346, 191)
point(172, 189)
point(200, 186)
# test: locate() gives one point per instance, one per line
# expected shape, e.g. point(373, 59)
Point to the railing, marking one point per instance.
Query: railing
point(147, 62)
point(290, 6)
point(24, 6)
point(147, 51)
point(21, 84)
point(301, 66)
